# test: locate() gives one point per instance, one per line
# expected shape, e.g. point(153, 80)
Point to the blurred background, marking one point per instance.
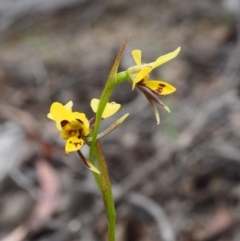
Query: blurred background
point(179, 181)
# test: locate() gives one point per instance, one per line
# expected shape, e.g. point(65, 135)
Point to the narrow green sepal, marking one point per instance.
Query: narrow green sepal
point(109, 129)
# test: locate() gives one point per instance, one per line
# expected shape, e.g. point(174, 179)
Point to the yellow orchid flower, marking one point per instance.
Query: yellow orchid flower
point(74, 127)
point(139, 75)
point(142, 73)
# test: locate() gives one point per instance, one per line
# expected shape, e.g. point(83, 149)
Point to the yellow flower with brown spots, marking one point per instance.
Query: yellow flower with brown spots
point(74, 127)
point(139, 75)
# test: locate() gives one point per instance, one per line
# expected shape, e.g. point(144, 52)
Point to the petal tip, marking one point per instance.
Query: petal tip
point(133, 86)
point(93, 168)
point(177, 51)
point(49, 116)
point(167, 109)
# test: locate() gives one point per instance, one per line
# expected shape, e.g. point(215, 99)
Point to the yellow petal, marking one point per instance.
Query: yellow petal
point(165, 58)
point(69, 105)
point(73, 144)
point(49, 115)
point(143, 73)
point(94, 104)
point(110, 109)
point(58, 112)
point(58, 125)
point(81, 117)
point(159, 87)
point(137, 56)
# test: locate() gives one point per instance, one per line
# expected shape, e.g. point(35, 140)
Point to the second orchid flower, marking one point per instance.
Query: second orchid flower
point(139, 75)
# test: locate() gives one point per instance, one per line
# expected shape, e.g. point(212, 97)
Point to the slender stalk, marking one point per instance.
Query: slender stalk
point(107, 91)
point(106, 191)
point(95, 148)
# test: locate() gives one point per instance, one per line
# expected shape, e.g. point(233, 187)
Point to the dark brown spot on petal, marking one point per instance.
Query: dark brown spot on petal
point(78, 143)
point(64, 122)
point(141, 83)
point(71, 133)
point(159, 90)
point(80, 131)
point(79, 121)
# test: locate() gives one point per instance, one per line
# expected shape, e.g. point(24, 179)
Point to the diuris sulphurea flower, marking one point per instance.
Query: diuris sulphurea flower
point(139, 75)
point(75, 127)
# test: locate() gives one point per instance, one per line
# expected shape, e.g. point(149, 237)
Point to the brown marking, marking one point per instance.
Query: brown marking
point(79, 121)
point(141, 83)
point(64, 122)
point(77, 143)
point(71, 133)
point(80, 134)
point(160, 88)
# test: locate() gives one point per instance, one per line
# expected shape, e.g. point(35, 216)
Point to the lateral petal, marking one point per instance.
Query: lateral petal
point(143, 73)
point(159, 87)
point(110, 109)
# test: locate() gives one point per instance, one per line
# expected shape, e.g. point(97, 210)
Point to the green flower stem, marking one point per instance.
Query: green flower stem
point(122, 77)
point(107, 91)
point(106, 191)
point(95, 148)
point(98, 181)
